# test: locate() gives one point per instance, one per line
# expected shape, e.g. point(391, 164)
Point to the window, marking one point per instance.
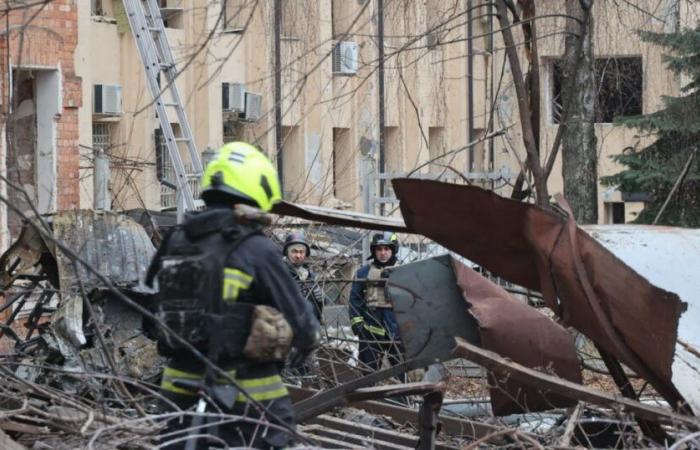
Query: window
point(100, 137)
point(342, 161)
point(292, 18)
point(236, 14)
point(436, 148)
point(616, 212)
point(172, 13)
point(164, 171)
point(619, 88)
point(231, 132)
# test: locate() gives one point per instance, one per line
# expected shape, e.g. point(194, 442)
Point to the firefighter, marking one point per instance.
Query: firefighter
point(296, 250)
point(371, 315)
point(224, 288)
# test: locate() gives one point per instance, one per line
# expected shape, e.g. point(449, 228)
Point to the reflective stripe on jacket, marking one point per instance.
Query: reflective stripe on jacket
point(260, 389)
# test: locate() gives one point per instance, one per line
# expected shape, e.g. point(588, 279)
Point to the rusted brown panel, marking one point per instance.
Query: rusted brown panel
point(523, 334)
point(535, 248)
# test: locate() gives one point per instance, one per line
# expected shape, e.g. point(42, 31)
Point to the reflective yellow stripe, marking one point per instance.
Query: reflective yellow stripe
point(356, 320)
point(260, 389)
point(260, 382)
point(375, 330)
point(234, 281)
point(267, 395)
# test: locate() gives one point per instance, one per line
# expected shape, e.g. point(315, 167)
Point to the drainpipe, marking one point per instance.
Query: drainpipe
point(492, 62)
point(278, 92)
point(100, 180)
point(470, 86)
point(380, 75)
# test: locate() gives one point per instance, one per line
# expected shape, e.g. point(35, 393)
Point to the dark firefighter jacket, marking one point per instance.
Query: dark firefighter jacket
point(310, 290)
point(381, 322)
point(253, 273)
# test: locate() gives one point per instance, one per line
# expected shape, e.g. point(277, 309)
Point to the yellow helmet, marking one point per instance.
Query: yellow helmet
point(241, 173)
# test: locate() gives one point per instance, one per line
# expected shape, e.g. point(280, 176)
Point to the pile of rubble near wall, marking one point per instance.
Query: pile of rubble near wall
point(79, 371)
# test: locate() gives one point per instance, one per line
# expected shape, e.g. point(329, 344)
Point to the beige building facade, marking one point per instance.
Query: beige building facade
point(330, 125)
point(442, 90)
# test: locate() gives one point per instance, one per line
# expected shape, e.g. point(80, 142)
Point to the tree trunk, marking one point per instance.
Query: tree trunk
point(579, 91)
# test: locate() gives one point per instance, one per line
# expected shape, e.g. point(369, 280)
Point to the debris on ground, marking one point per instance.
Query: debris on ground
point(599, 369)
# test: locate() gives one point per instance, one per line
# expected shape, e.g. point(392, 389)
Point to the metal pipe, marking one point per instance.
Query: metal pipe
point(278, 91)
point(380, 75)
point(100, 180)
point(470, 85)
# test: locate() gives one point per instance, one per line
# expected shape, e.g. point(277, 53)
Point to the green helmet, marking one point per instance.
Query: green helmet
point(240, 173)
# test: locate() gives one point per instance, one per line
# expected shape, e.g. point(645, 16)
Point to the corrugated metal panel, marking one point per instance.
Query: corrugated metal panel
point(113, 244)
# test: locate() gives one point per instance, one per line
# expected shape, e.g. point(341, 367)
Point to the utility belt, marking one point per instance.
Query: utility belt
point(254, 332)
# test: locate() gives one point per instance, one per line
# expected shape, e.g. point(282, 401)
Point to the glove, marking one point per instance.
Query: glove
point(358, 329)
point(297, 357)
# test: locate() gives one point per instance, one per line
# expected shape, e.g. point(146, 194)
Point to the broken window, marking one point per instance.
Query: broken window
point(619, 88)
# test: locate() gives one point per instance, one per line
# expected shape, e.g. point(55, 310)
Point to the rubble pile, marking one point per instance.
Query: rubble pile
point(80, 371)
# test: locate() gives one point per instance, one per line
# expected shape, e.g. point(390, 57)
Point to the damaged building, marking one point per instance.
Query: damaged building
point(519, 327)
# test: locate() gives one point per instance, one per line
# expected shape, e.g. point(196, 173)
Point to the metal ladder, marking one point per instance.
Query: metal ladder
point(149, 32)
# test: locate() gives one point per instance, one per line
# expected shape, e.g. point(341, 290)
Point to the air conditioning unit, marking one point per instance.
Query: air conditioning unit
point(253, 108)
point(233, 97)
point(345, 58)
point(107, 99)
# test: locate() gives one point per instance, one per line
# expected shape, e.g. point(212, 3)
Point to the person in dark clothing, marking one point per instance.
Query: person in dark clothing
point(296, 250)
point(371, 315)
point(220, 282)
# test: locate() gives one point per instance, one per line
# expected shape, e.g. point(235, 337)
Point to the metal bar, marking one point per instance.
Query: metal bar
point(501, 367)
point(450, 425)
point(339, 395)
point(278, 91)
point(428, 420)
point(477, 176)
point(390, 391)
point(650, 429)
point(380, 88)
point(353, 439)
point(366, 430)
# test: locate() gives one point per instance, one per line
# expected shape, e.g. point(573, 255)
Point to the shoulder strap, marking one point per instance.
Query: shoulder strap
point(154, 267)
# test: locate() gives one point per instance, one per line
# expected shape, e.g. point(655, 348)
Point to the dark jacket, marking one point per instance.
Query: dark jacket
point(310, 289)
point(380, 322)
point(251, 273)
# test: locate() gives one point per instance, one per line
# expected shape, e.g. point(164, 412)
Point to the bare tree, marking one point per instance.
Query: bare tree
point(579, 143)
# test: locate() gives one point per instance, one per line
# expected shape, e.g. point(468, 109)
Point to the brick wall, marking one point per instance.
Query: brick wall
point(49, 41)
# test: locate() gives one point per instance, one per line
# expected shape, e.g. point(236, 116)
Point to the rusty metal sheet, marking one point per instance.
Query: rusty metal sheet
point(339, 217)
point(668, 257)
point(439, 299)
point(583, 282)
point(114, 244)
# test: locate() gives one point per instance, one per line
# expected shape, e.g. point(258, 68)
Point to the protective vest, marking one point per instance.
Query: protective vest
point(302, 273)
point(375, 296)
point(192, 297)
